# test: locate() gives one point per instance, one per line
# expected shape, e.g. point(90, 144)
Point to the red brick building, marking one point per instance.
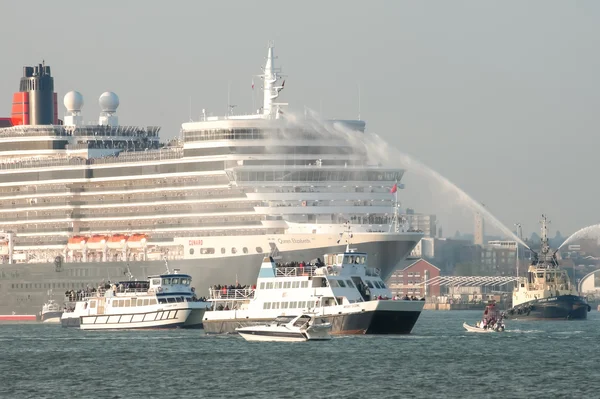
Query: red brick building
point(408, 281)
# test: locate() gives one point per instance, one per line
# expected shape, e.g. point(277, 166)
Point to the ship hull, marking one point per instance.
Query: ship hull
point(374, 318)
point(51, 317)
point(562, 307)
point(25, 286)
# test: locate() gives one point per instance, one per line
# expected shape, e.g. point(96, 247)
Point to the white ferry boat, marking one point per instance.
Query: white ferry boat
point(342, 289)
point(306, 327)
point(163, 301)
point(51, 312)
point(78, 201)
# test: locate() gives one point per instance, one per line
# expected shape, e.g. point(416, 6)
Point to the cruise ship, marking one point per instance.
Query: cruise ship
point(82, 203)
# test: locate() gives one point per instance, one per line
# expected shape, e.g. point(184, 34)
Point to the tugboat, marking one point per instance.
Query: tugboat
point(547, 293)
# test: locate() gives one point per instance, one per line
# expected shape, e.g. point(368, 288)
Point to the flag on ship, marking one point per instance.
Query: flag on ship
point(394, 188)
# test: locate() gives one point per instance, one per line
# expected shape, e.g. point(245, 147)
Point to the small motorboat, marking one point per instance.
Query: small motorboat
point(479, 328)
point(493, 321)
point(306, 327)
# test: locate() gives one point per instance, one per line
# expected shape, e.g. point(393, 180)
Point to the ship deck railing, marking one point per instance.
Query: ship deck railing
point(225, 294)
point(337, 270)
point(295, 271)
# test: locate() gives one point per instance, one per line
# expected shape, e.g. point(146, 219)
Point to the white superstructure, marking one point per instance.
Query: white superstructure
point(341, 289)
point(79, 201)
point(163, 301)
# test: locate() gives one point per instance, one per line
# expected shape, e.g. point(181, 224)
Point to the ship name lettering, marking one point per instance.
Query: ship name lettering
point(195, 242)
point(294, 241)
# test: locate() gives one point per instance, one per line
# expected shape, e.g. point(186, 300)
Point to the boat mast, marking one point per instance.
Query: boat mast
point(349, 235)
point(270, 89)
point(395, 218)
point(545, 249)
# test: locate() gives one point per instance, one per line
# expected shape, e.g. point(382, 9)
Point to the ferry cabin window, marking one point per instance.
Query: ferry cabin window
point(184, 281)
point(259, 250)
point(304, 284)
point(279, 284)
point(340, 258)
point(166, 281)
point(275, 305)
point(245, 250)
point(302, 304)
point(296, 284)
point(371, 285)
point(284, 305)
point(155, 281)
point(376, 284)
point(152, 301)
point(349, 282)
point(127, 303)
point(262, 286)
point(191, 251)
point(206, 251)
point(382, 284)
point(233, 250)
point(341, 283)
point(287, 284)
point(269, 286)
point(293, 304)
point(333, 283)
point(92, 304)
point(222, 250)
point(267, 305)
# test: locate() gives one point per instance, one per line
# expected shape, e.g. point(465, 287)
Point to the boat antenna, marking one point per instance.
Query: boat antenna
point(167, 265)
point(359, 100)
point(349, 236)
point(128, 272)
point(545, 248)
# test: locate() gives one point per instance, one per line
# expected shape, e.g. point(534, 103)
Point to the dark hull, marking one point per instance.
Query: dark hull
point(563, 307)
point(368, 322)
point(28, 283)
point(70, 322)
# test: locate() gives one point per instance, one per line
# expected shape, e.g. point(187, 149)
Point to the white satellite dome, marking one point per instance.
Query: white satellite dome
point(73, 101)
point(109, 101)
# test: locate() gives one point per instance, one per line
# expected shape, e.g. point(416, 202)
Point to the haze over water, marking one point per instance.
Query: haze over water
point(530, 360)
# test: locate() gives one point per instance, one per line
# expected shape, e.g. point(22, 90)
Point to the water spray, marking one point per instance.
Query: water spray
point(585, 232)
point(380, 152)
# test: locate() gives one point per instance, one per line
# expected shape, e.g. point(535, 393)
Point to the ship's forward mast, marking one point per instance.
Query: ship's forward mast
point(271, 86)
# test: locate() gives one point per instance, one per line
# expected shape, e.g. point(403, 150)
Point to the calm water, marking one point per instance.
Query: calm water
point(439, 360)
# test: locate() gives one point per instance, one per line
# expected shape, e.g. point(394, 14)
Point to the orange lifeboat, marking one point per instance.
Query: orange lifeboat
point(137, 241)
point(117, 241)
point(77, 242)
point(97, 242)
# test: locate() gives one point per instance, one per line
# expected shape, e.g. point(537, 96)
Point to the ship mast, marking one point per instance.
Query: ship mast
point(545, 249)
point(396, 209)
point(271, 88)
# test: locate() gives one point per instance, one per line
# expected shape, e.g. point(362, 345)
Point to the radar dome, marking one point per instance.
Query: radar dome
point(73, 101)
point(109, 101)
